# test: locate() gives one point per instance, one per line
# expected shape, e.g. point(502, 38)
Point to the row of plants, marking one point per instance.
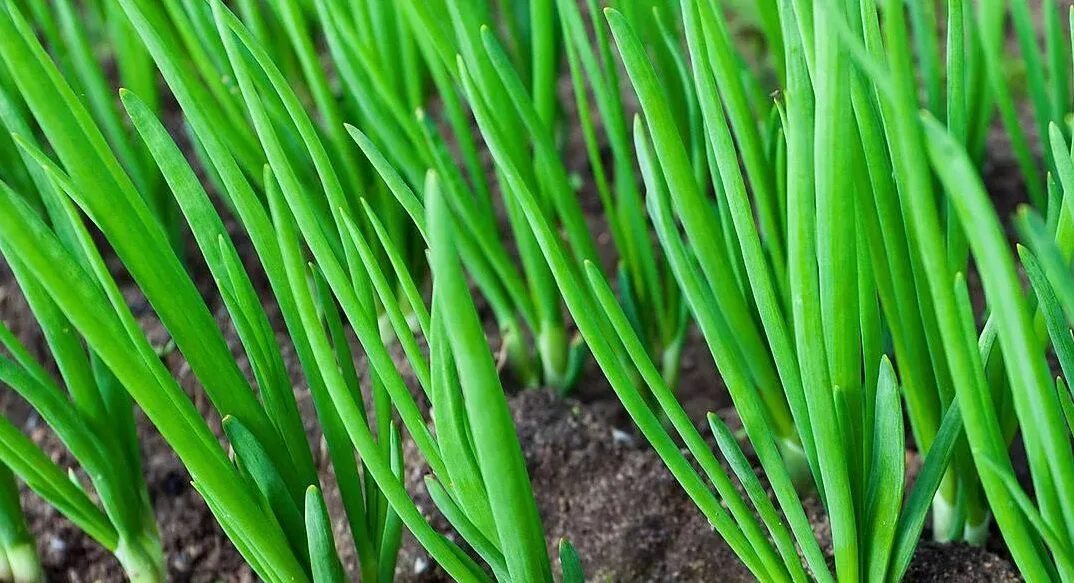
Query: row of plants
point(281, 526)
point(818, 237)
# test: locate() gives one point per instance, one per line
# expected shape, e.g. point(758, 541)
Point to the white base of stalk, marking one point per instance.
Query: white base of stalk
point(518, 356)
point(142, 565)
point(552, 345)
point(671, 365)
point(943, 512)
point(21, 564)
point(977, 534)
point(794, 458)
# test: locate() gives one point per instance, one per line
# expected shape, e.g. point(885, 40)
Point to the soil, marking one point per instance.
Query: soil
point(959, 562)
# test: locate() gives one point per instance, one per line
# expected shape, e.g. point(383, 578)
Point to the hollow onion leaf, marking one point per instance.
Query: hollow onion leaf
point(887, 475)
point(322, 546)
point(912, 518)
point(501, 461)
point(254, 461)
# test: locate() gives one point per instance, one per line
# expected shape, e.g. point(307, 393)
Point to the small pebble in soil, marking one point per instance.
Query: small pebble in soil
point(180, 563)
point(56, 546)
point(621, 437)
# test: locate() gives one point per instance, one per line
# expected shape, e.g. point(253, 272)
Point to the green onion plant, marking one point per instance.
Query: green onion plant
point(1043, 74)
point(1041, 527)
point(995, 400)
point(646, 285)
point(385, 57)
point(974, 80)
point(790, 291)
point(94, 419)
point(818, 236)
point(1037, 532)
point(859, 466)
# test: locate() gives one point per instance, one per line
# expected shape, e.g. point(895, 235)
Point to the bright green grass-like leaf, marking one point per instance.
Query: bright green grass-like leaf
point(928, 479)
point(322, 546)
point(508, 488)
point(254, 328)
point(50, 481)
point(991, 32)
point(740, 465)
point(450, 415)
point(897, 100)
point(697, 216)
point(723, 64)
point(92, 79)
point(255, 462)
point(570, 562)
point(461, 522)
point(293, 20)
point(1054, 319)
point(1058, 330)
point(351, 291)
point(347, 229)
point(549, 164)
point(255, 218)
point(821, 291)
point(550, 330)
point(1056, 544)
point(518, 120)
point(1066, 400)
point(765, 289)
point(596, 334)
point(886, 480)
point(84, 153)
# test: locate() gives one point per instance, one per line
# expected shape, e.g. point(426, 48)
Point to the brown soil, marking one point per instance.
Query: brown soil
point(609, 494)
point(942, 563)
